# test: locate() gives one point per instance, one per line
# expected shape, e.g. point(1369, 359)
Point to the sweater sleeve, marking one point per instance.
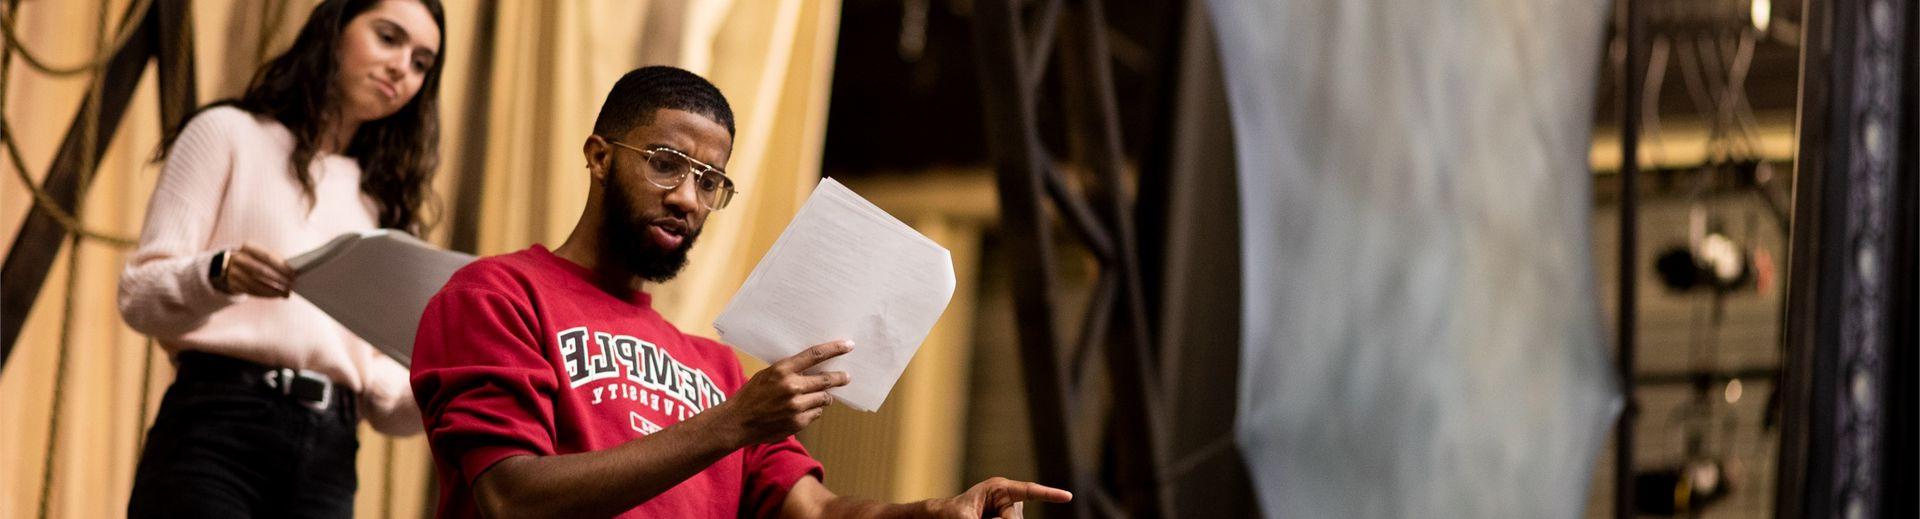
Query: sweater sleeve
point(485, 390)
point(164, 290)
point(386, 400)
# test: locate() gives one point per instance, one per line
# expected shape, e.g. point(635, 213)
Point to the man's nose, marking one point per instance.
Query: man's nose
point(685, 197)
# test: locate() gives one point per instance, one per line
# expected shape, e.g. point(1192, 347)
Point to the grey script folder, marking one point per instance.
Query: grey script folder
point(376, 283)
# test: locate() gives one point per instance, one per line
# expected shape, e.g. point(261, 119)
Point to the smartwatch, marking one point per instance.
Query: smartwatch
point(217, 270)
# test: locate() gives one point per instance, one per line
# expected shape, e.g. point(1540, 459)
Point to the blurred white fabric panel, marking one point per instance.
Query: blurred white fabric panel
point(1421, 327)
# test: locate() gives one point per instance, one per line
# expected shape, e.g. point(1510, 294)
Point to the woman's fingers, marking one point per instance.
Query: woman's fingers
point(267, 261)
point(249, 283)
point(246, 277)
point(260, 273)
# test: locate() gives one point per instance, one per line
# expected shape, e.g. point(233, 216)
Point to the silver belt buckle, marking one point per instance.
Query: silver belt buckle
point(283, 379)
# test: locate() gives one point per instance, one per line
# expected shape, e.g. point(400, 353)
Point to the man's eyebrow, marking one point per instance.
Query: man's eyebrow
point(709, 165)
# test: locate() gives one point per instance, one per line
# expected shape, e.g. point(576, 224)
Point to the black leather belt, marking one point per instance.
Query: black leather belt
point(306, 387)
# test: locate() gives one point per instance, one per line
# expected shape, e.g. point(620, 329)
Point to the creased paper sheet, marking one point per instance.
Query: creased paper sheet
point(843, 269)
point(376, 283)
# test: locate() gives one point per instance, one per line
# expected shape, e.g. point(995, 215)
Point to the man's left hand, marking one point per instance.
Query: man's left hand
point(997, 497)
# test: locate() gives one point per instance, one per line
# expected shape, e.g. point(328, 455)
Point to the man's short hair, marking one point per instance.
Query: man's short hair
point(646, 90)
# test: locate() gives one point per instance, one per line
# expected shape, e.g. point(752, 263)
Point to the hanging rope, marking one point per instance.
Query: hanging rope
point(90, 136)
point(41, 199)
point(386, 483)
point(59, 379)
point(146, 394)
point(101, 55)
point(45, 201)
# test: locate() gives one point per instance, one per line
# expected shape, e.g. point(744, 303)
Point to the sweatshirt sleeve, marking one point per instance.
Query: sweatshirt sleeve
point(772, 469)
point(484, 388)
point(164, 290)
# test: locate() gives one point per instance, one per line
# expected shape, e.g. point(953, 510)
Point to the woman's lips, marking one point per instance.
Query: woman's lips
point(387, 90)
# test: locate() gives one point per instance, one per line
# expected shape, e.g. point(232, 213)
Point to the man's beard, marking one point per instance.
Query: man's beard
point(629, 242)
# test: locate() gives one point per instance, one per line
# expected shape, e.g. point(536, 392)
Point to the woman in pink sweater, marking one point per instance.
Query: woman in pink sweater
point(338, 134)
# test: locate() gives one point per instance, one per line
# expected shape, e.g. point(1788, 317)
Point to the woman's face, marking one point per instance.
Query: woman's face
point(384, 55)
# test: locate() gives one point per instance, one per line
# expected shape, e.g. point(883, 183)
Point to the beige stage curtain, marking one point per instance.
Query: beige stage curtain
point(523, 82)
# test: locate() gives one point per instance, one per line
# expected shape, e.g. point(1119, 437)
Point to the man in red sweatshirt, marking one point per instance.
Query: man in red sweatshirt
point(550, 387)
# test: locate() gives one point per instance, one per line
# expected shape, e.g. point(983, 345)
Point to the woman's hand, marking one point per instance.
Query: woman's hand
point(253, 271)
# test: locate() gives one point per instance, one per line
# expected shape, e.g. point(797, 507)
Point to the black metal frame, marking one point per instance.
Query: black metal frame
point(1902, 477)
point(1851, 281)
point(1013, 58)
point(1629, 254)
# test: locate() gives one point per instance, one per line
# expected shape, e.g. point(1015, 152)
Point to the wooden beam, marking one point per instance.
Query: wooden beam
point(174, 55)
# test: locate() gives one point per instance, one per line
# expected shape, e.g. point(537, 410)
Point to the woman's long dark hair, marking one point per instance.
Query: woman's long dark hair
point(397, 154)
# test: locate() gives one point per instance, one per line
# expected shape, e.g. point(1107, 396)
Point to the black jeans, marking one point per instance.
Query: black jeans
point(225, 445)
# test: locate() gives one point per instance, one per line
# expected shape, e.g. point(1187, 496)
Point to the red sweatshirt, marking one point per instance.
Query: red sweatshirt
point(523, 354)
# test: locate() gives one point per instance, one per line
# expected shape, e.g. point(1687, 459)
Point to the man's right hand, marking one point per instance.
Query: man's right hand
point(774, 404)
point(782, 399)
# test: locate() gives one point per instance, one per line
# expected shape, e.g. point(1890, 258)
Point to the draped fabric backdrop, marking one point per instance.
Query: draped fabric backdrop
point(523, 82)
point(1420, 333)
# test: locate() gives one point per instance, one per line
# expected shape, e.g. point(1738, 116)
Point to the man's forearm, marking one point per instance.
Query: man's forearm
point(851, 507)
point(602, 483)
point(809, 499)
point(995, 497)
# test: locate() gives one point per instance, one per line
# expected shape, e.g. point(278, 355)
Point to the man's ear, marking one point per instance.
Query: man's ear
point(597, 152)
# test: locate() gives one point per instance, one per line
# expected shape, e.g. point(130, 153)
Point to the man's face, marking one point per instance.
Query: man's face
point(649, 229)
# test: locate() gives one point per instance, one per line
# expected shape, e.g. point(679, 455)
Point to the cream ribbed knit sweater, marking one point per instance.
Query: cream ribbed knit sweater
point(226, 182)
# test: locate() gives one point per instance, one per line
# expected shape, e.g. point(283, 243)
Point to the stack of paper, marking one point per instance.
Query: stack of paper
point(844, 269)
point(376, 283)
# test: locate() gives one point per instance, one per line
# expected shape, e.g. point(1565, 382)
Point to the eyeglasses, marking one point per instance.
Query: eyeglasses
point(667, 168)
